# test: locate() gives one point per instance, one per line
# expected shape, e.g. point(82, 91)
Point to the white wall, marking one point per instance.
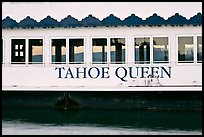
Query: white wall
point(46, 75)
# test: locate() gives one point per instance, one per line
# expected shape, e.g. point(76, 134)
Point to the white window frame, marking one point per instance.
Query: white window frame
point(26, 46)
point(50, 47)
point(196, 50)
point(126, 50)
point(27, 50)
point(194, 45)
point(84, 59)
point(108, 50)
point(150, 44)
point(3, 50)
point(152, 47)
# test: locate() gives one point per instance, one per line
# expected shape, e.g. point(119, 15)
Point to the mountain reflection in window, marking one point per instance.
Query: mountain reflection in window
point(35, 51)
point(58, 51)
point(160, 49)
point(117, 50)
point(199, 49)
point(76, 51)
point(142, 50)
point(99, 50)
point(185, 50)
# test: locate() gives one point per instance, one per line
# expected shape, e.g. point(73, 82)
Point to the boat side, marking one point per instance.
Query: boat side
point(151, 67)
point(90, 75)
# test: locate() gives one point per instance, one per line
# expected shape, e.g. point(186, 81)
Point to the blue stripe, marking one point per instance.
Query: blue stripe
point(111, 20)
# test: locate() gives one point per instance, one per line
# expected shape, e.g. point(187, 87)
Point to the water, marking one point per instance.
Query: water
point(50, 121)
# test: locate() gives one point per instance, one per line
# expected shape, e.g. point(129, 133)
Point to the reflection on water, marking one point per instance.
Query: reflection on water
point(131, 120)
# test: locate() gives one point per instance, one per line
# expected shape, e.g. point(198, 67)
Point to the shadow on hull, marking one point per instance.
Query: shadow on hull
point(123, 100)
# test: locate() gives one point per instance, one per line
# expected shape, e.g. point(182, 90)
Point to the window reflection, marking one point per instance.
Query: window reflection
point(199, 49)
point(117, 50)
point(99, 50)
point(142, 50)
point(76, 50)
point(58, 50)
point(2, 51)
point(160, 49)
point(35, 50)
point(185, 49)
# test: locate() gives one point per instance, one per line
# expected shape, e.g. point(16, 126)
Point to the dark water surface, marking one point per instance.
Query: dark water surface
point(117, 121)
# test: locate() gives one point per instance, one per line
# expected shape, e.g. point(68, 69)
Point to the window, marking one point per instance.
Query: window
point(58, 50)
point(142, 50)
point(18, 51)
point(117, 50)
point(160, 50)
point(76, 50)
point(35, 51)
point(99, 50)
point(185, 49)
point(199, 49)
point(2, 51)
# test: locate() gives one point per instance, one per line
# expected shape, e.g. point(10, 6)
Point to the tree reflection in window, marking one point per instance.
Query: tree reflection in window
point(117, 50)
point(58, 50)
point(142, 50)
point(99, 50)
point(76, 50)
point(199, 49)
point(2, 50)
point(160, 49)
point(185, 49)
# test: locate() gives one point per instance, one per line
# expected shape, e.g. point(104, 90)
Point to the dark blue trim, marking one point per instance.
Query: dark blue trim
point(111, 20)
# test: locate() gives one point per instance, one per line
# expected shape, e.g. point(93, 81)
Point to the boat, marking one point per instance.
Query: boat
point(110, 63)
